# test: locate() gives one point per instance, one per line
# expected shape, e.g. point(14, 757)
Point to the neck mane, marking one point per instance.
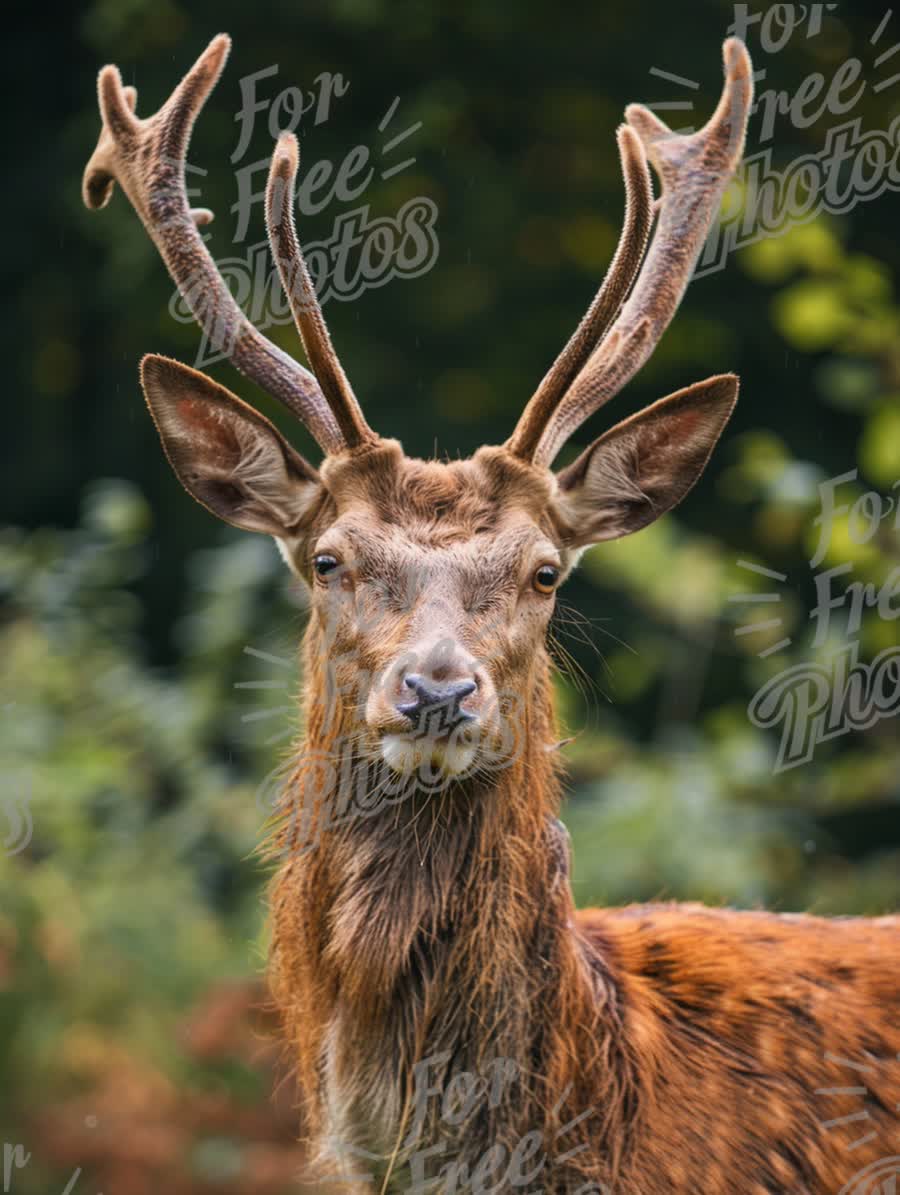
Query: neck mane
point(430, 936)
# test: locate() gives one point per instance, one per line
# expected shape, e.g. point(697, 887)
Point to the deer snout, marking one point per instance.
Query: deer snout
point(432, 709)
point(427, 697)
point(439, 685)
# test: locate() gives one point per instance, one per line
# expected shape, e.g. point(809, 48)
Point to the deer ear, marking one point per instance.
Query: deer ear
point(225, 454)
point(644, 465)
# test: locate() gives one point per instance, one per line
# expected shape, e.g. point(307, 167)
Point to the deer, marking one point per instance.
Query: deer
point(453, 1022)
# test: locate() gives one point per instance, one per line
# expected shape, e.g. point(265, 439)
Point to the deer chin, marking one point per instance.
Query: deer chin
point(431, 757)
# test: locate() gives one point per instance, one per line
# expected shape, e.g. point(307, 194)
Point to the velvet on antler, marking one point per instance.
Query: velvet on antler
point(694, 170)
point(147, 159)
point(301, 294)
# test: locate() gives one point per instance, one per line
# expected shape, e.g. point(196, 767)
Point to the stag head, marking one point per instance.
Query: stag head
point(432, 584)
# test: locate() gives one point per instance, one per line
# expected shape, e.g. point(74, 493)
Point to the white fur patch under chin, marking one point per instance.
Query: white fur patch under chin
point(407, 756)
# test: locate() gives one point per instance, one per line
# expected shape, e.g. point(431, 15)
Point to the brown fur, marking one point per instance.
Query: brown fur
point(697, 1039)
point(641, 1051)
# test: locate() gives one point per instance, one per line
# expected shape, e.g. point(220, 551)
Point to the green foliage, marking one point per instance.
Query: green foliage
point(133, 730)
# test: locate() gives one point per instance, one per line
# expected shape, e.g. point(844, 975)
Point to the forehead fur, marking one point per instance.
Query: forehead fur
point(438, 502)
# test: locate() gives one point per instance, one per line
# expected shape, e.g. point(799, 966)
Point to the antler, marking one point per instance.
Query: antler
point(694, 171)
point(609, 298)
point(147, 159)
point(302, 295)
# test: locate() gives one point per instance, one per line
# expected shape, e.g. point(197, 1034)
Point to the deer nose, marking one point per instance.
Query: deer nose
point(444, 699)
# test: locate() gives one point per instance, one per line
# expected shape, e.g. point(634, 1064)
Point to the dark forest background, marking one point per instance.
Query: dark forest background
point(138, 750)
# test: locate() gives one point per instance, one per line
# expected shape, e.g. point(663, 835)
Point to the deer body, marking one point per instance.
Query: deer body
point(454, 1023)
point(691, 1044)
point(697, 1039)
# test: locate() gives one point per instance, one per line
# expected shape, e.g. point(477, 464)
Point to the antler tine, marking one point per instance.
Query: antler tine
point(694, 171)
point(302, 295)
point(147, 159)
point(607, 302)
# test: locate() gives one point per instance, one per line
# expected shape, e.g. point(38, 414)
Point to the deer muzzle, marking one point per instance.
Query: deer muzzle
point(432, 709)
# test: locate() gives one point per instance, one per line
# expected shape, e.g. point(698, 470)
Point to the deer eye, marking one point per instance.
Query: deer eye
point(546, 578)
point(323, 564)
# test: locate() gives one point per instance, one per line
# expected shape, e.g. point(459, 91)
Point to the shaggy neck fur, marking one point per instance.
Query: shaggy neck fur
point(427, 947)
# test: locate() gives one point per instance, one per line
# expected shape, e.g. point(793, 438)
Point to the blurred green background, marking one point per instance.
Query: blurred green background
point(134, 1047)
